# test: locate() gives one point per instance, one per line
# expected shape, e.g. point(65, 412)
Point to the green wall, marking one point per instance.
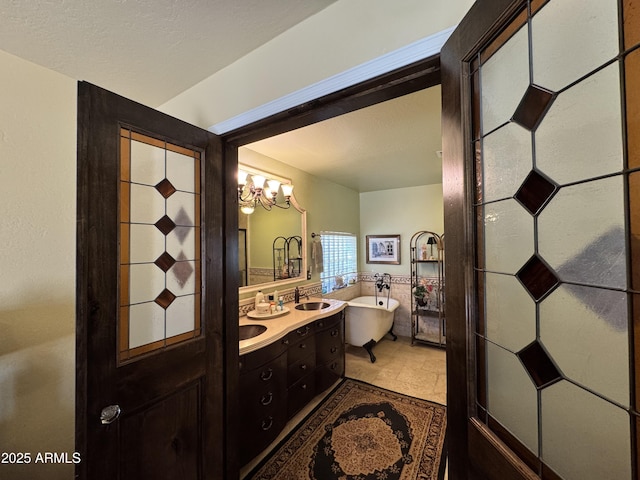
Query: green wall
point(403, 212)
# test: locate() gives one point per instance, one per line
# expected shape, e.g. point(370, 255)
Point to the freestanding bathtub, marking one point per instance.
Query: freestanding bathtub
point(366, 323)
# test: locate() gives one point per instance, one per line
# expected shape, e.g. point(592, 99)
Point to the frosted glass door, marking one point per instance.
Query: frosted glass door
point(556, 126)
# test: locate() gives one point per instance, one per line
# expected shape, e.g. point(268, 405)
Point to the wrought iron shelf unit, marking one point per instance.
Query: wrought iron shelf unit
point(428, 323)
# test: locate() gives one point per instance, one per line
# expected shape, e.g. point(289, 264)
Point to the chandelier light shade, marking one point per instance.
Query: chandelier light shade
point(252, 192)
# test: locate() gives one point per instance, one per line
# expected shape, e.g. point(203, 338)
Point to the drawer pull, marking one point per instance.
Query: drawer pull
point(320, 324)
point(285, 342)
point(266, 399)
point(267, 423)
point(334, 349)
point(303, 366)
point(266, 374)
point(303, 332)
point(304, 387)
point(334, 333)
point(333, 366)
point(303, 345)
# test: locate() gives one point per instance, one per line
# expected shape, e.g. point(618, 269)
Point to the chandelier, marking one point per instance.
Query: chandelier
point(252, 192)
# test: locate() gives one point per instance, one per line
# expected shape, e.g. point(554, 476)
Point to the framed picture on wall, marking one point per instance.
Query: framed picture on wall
point(383, 249)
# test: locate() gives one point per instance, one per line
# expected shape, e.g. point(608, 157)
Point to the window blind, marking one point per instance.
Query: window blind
point(339, 259)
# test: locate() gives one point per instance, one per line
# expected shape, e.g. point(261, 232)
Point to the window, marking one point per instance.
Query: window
point(339, 259)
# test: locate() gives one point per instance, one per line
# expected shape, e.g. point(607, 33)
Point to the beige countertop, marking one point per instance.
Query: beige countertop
point(278, 327)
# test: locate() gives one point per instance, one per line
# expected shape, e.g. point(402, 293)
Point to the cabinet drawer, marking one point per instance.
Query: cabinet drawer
point(328, 374)
point(258, 433)
point(304, 348)
point(253, 360)
point(298, 334)
point(299, 369)
point(330, 344)
point(300, 393)
point(327, 322)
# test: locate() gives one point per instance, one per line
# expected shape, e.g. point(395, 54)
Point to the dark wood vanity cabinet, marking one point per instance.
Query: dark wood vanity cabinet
point(329, 350)
point(301, 366)
point(277, 381)
point(263, 398)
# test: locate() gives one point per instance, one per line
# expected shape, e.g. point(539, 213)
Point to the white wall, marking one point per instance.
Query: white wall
point(402, 211)
point(37, 265)
point(346, 34)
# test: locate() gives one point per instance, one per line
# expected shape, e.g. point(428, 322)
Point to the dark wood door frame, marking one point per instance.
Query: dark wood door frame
point(417, 76)
point(409, 79)
point(469, 441)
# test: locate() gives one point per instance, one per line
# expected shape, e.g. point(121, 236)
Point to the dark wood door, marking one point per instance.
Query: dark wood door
point(153, 293)
point(539, 224)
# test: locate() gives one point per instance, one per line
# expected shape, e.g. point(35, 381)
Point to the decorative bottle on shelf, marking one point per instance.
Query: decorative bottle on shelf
point(423, 252)
point(259, 297)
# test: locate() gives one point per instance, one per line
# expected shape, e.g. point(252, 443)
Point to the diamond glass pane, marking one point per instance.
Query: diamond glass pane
point(504, 79)
point(511, 313)
point(541, 368)
point(535, 191)
point(165, 225)
point(537, 278)
point(581, 233)
point(165, 188)
point(570, 40)
point(532, 107)
point(508, 233)
point(511, 397)
point(583, 436)
point(165, 261)
point(585, 331)
point(578, 140)
point(506, 161)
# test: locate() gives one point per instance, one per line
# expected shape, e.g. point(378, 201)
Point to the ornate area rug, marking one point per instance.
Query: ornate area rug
point(362, 432)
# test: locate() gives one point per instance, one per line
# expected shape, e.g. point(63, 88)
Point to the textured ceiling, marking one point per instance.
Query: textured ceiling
point(389, 145)
point(148, 50)
point(152, 50)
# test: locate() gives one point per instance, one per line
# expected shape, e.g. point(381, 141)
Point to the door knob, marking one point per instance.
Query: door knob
point(110, 414)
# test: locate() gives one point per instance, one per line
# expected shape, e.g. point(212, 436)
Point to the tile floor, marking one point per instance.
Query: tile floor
point(418, 370)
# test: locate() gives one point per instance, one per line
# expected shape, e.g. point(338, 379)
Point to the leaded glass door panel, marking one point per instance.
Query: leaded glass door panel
point(541, 158)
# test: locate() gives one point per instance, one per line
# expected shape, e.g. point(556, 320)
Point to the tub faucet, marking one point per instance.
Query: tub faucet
point(383, 281)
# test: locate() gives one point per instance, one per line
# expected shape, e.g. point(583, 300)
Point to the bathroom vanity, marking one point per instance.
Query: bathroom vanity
point(282, 369)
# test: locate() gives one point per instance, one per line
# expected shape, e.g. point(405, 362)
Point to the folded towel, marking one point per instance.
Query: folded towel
point(316, 255)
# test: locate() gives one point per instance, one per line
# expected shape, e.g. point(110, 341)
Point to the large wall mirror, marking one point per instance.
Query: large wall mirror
point(272, 239)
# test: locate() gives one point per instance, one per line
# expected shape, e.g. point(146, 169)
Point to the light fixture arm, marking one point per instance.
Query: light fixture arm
point(252, 192)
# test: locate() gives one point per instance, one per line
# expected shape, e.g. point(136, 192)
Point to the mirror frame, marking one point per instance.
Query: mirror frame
point(303, 225)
